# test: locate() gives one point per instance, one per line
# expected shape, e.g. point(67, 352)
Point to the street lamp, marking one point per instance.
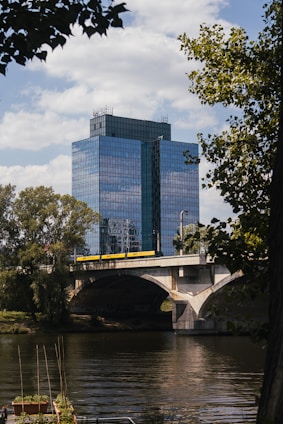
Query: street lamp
point(157, 241)
point(181, 230)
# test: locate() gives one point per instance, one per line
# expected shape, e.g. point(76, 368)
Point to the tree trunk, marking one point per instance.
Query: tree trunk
point(271, 402)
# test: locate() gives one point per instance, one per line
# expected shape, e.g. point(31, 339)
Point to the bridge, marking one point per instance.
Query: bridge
point(141, 285)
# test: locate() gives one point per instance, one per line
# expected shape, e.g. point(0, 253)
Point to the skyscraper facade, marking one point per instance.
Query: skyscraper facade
point(135, 177)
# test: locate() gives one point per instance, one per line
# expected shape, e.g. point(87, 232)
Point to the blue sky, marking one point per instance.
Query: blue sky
point(138, 71)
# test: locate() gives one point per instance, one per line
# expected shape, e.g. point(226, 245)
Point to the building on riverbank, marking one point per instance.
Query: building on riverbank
point(133, 174)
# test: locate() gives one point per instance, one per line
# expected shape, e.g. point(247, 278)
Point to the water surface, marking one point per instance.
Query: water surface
point(184, 379)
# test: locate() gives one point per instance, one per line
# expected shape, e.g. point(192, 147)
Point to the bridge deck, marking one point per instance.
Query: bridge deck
point(161, 261)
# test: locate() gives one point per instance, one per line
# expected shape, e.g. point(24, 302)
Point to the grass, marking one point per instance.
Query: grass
point(13, 316)
point(14, 322)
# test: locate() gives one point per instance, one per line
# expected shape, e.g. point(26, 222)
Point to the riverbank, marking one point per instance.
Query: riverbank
point(24, 323)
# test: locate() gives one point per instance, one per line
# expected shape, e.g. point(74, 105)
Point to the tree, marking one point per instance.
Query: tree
point(49, 225)
point(247, 166)
point(15, 291)
point(50, 295)
point(245, 75)
point(195, 239)
point(46, 227)
point(27, 25)
point(270, 407)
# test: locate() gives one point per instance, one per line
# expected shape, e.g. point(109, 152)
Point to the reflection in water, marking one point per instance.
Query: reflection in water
point(188, 379)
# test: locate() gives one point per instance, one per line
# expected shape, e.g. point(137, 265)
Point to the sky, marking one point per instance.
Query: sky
point(138, 72)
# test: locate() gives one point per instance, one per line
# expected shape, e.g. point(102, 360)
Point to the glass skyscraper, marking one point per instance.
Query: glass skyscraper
point(135, 177)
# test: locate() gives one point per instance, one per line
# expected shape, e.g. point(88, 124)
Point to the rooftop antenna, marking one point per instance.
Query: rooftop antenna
point(106, 110)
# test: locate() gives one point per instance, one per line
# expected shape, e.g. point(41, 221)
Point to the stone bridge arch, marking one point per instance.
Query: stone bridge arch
point(194, 319)
point(188, 309)
point(190, 281)
point(125, 297)
point(200, 300)
point(91, 278)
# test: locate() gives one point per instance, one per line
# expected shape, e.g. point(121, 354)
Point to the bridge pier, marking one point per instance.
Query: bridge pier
point(186, 321)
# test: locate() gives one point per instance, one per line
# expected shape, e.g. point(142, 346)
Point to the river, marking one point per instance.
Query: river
point(169, 378)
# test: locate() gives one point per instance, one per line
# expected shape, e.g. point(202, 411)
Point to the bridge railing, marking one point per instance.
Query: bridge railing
point(87, 420)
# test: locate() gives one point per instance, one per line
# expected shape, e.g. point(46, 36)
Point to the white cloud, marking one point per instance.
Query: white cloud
point(197, 119)
point(35, 130)
point(139, 71)
point(72, 102)
point(212, 204)
point(56, 173)
point(175, 17)
point(121, 70)
point(134, 69)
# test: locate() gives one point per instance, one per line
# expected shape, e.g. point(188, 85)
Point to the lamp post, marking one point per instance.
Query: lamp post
point(157, 241)
point(181, 231)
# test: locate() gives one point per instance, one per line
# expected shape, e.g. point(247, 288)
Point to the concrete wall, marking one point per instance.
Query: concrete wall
point(189, 280)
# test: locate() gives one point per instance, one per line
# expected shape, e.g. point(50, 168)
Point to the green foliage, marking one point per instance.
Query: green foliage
point(8, 232)
point(50, 294)
point(13, 316)
point(245, 76)
point(62, 402)
point(32, 398)
point(66, 409)
point(38, 230)
point(166, 305)
point(49, 225)
point(27, 26)
point(195, 239)
point(25, 418)
point(13, 322)
point(15, 290)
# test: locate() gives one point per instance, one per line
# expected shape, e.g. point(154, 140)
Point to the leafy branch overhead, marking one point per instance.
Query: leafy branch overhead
point(27, 25)
point(247, 162)
point(242, 75)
